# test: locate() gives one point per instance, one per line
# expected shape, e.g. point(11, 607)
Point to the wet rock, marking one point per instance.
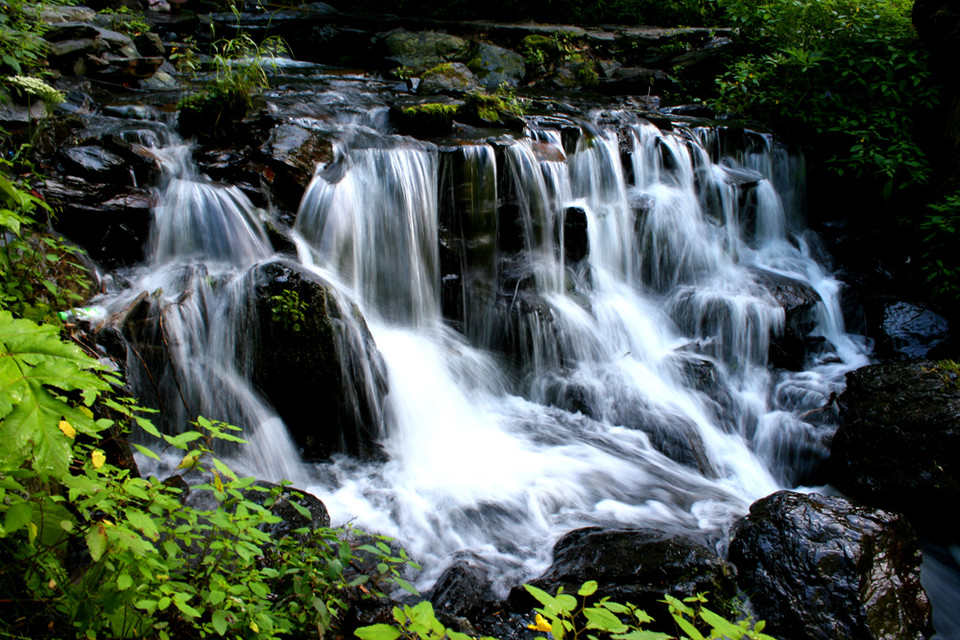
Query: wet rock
point(95, 163)
point(898, 445)
point(463, 590)
point(111, 223)
point(575, 243)
point(420, 50)
point(674, 436)
point(789, 349)
point(634, 565)
point(149, 44)
point(317, 363)
point(293, 154)
point(449, 77)
point(494, 66)
point(121, 70)
point(627, 80)
point(818, 567)
point(912, 331)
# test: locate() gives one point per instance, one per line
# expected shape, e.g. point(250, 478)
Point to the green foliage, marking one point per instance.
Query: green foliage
point(941, 224)
point(22, 47)
point(500, 107)
point(845, 73)
point(125, 20)
point(40, 273)
point(418, 622)
point(287, 309)
point(567, 616)
point(237, 72)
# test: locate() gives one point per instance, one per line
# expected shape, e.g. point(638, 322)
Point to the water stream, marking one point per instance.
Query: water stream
point(576, 329)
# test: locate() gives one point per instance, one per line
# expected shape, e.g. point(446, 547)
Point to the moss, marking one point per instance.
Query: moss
point(445, 70)
point(588, 76)
point(501, 107)
point(432, 110)
point(537, 49)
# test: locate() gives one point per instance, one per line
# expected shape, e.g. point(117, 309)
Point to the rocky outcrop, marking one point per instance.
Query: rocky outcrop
point(635, 565)
point(820, 568)
point(790, 348)
point(898, 445)
point(422, 50)
point(316, 362)
point(910, 330)
point(463, 590)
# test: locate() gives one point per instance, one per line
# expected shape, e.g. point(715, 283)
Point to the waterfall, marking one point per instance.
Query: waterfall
point(576, 328)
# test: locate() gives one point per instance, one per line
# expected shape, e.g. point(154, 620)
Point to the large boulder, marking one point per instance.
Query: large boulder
point(317, 363)
point(420, 50)
point(494, 66)
point(637, 566)
point(292, 155)
point(898, 445)
point(820, 568)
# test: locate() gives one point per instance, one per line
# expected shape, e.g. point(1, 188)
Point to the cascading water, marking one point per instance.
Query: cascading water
point(575, 330)
point(570, 397)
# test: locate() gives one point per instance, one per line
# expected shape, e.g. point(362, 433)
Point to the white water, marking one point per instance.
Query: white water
point(566, 399)
point(478, 459)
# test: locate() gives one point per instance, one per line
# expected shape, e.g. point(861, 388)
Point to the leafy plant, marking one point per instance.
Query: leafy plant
point(40, 273)
point(237, 72)
point(418, 622)
point(125, 20)
point(848, 74)
point(941, 224)
point(566, 616)
point(23, 50)
point(287, 309)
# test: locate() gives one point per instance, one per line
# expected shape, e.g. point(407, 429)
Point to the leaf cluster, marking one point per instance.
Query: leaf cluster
point(89, 549)
point(22, 47)
point(848, 74)
point(40, 273)
point(584, 616)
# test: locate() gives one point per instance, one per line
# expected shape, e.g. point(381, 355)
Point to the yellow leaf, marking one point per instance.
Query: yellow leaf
point(98, 458)
point(52, 584)
point(32, 531)
point(85, 411)
point(68, 429)
point(540, 624)
point(254, 627)
point(189, 461)
point(217, 482)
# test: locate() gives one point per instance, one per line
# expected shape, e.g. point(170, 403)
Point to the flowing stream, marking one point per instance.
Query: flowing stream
point(576, 325)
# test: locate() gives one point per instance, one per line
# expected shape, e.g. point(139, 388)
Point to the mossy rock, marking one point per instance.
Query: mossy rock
point(495, 66)
point(449, 77)
point(419, 50)
point(495, 109)
point(427, 119)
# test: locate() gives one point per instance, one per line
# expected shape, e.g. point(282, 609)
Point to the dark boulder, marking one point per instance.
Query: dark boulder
point(635, 565)
point(818, 567)
point(95, 163)
point(449, 77)
point(111, 223)
point(317, 363)
point(911, 330)
point(789, 349)
point(292, 155)
point(463, 590)
point(575, 241)
point(898, 445)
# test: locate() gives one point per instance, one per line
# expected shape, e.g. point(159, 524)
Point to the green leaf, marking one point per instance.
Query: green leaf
point(406, 586)
point(34, 365)
point(219, 621)
point(146, 451)
point(124, 582)
point(96, 541)
point(588, 589)
point(378, 632)
point(642, 634)
point(18, 515)
point(603, 620)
